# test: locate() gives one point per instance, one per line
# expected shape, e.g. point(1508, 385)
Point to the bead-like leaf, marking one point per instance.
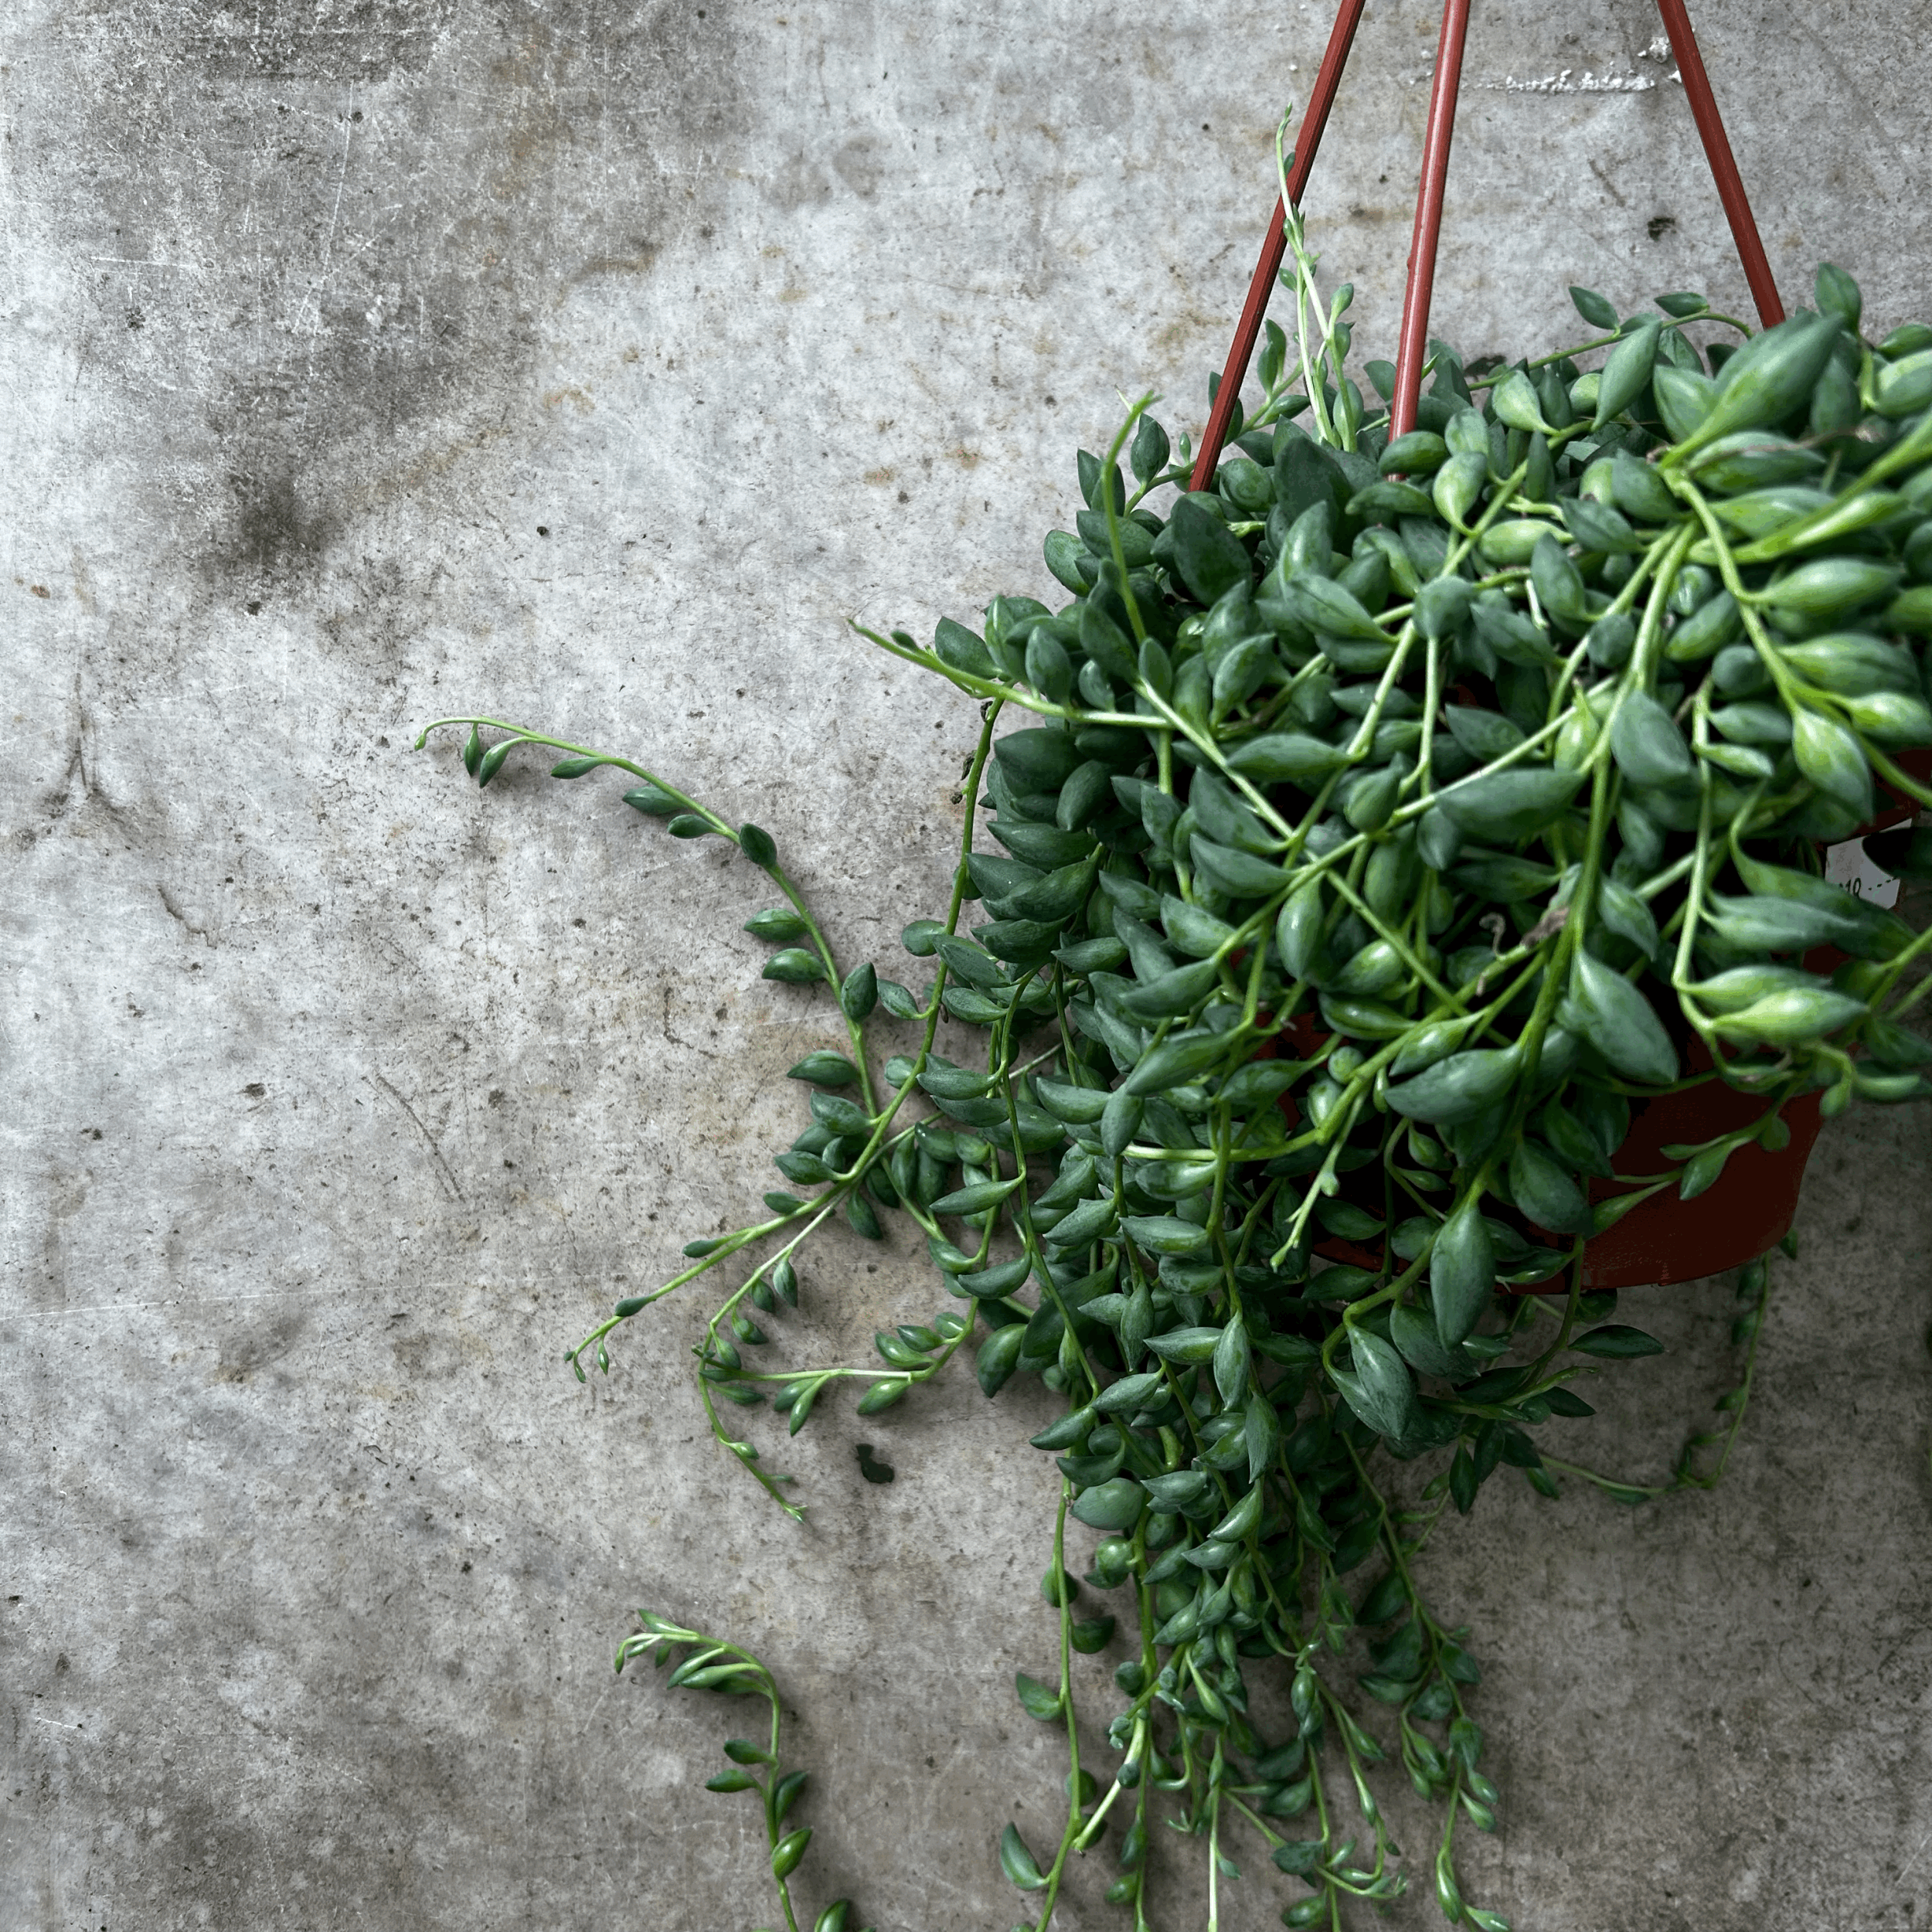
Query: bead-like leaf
point(1616, 1341)
point(1381, 1391)
point(1593, 308)
point(1018, 1863)
point(1038, 1701)
point(824, 1068)
point(795, 966)
point(491, 762)
point(650, 798)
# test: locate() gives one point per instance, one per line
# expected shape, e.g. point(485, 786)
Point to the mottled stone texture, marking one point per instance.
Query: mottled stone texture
point(368, 359)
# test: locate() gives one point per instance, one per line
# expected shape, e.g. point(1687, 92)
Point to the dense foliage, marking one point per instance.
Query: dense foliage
point(1392, 820)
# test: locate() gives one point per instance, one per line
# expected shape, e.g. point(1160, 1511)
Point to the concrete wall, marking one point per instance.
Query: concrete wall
point(368, 359)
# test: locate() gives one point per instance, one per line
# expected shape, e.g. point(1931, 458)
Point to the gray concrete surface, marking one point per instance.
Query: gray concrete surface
point(368, 360)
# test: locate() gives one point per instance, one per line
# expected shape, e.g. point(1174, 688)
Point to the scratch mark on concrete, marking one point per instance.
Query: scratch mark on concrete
point(175, 913)
point(677, 1040)
point(75, 777)
point(164, 1302)
point(429, 1139)
point(1610, 185)
point(322, 275)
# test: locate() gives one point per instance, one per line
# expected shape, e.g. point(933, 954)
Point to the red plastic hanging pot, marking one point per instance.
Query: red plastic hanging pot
point(1747, 1210)
point(1750, 1207)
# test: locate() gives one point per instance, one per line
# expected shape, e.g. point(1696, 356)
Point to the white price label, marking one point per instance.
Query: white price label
point(1846, 865)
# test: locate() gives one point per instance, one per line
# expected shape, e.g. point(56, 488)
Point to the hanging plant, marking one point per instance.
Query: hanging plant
point(1388, 823)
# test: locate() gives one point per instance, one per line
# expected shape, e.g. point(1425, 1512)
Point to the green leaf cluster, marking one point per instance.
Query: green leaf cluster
point(1353, 850)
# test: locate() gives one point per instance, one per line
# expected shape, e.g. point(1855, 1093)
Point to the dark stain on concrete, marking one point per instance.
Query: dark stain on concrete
point(801, 182)
point(344, 228)
point(860, 166)
point(275, 529)
point(253, 1348)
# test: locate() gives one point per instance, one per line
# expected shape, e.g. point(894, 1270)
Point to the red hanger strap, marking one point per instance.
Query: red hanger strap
point(1717, 151)
point(1429, 206)
point(1413, 346)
